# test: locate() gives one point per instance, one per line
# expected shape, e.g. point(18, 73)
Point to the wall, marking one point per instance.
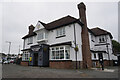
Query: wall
point(102, 47)
point(69, 32)
point(66, 64)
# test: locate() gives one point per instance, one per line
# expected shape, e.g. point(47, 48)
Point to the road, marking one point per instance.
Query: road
point(18, 71)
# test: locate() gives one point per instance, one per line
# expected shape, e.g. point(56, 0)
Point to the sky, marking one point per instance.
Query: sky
point(17, 16)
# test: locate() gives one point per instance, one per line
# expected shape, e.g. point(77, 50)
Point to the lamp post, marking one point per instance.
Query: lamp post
point(107, 51)
point(9, 47)
point(19, 50)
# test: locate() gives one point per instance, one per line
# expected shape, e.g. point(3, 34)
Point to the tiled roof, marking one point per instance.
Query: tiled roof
point(56, 24)
point(60, 22)
point(97, 31)
point(29, 35)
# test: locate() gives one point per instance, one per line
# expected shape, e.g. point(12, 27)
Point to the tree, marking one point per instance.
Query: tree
point(116, 46)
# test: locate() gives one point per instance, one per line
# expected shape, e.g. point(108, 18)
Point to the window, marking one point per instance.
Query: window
point(94, 55)
point(30, 40)
point(25, 56)
point(40, 36)
point(60, 32)
point(92, 38)
point(60, 53)
point(102, 39)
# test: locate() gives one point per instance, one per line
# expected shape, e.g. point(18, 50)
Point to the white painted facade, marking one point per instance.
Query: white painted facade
point(93, 46)
point(49, 37)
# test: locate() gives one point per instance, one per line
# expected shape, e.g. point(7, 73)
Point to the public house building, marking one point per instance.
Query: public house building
point(67, 43)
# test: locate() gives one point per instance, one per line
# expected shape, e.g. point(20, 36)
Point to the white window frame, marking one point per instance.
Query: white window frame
point(30, 40)
point(25, 56)
point(60, 32)
point(58, 49)
point(101, 37)
point(43, 34)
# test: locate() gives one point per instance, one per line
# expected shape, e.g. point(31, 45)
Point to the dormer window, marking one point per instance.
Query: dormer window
point(60, 32)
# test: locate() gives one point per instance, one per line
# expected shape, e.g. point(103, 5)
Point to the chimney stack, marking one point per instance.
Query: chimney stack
point(31, 28)
point(86, 54)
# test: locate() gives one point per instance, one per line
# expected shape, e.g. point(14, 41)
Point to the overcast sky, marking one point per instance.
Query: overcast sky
point(17, 16)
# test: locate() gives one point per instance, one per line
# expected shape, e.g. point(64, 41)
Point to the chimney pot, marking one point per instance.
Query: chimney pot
point(81, 5)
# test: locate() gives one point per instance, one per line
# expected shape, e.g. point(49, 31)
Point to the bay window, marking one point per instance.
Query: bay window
point(60, 53)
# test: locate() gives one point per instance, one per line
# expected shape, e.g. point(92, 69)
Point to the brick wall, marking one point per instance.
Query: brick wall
point(24, 63)
point(106, 63)
point(65, 64)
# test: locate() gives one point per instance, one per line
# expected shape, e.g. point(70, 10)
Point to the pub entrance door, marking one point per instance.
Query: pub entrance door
point(35, 59)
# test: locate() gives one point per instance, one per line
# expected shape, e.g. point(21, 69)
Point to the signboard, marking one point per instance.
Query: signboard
point(30, 59)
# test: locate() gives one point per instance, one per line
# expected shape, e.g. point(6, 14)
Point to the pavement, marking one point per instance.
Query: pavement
point(18, 71)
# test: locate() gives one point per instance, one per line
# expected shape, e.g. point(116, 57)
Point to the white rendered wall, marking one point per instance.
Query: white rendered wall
point(69, 32)
point(102, 47)
point(51, 39)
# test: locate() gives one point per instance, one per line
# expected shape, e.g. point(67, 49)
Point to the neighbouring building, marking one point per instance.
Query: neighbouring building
point(67, 43)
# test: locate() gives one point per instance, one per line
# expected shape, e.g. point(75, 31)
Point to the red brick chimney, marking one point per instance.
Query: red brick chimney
point(86, 54)
point(31, 28)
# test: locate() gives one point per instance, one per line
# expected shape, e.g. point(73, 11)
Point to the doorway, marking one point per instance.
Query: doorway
point(35, 59)
point(100, 56)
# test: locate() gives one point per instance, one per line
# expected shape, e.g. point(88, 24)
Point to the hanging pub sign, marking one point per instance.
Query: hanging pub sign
point(35, 48)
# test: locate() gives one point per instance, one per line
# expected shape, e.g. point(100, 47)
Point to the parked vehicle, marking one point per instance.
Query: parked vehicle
point(11, 61)
point(6, 62)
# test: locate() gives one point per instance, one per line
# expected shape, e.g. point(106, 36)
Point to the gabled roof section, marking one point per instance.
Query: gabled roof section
point(61, 22)
point(38, 26)
point(97, 31)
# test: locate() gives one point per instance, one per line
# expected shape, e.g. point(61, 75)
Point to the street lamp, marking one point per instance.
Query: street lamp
point(19, 50)
point(9, 46)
